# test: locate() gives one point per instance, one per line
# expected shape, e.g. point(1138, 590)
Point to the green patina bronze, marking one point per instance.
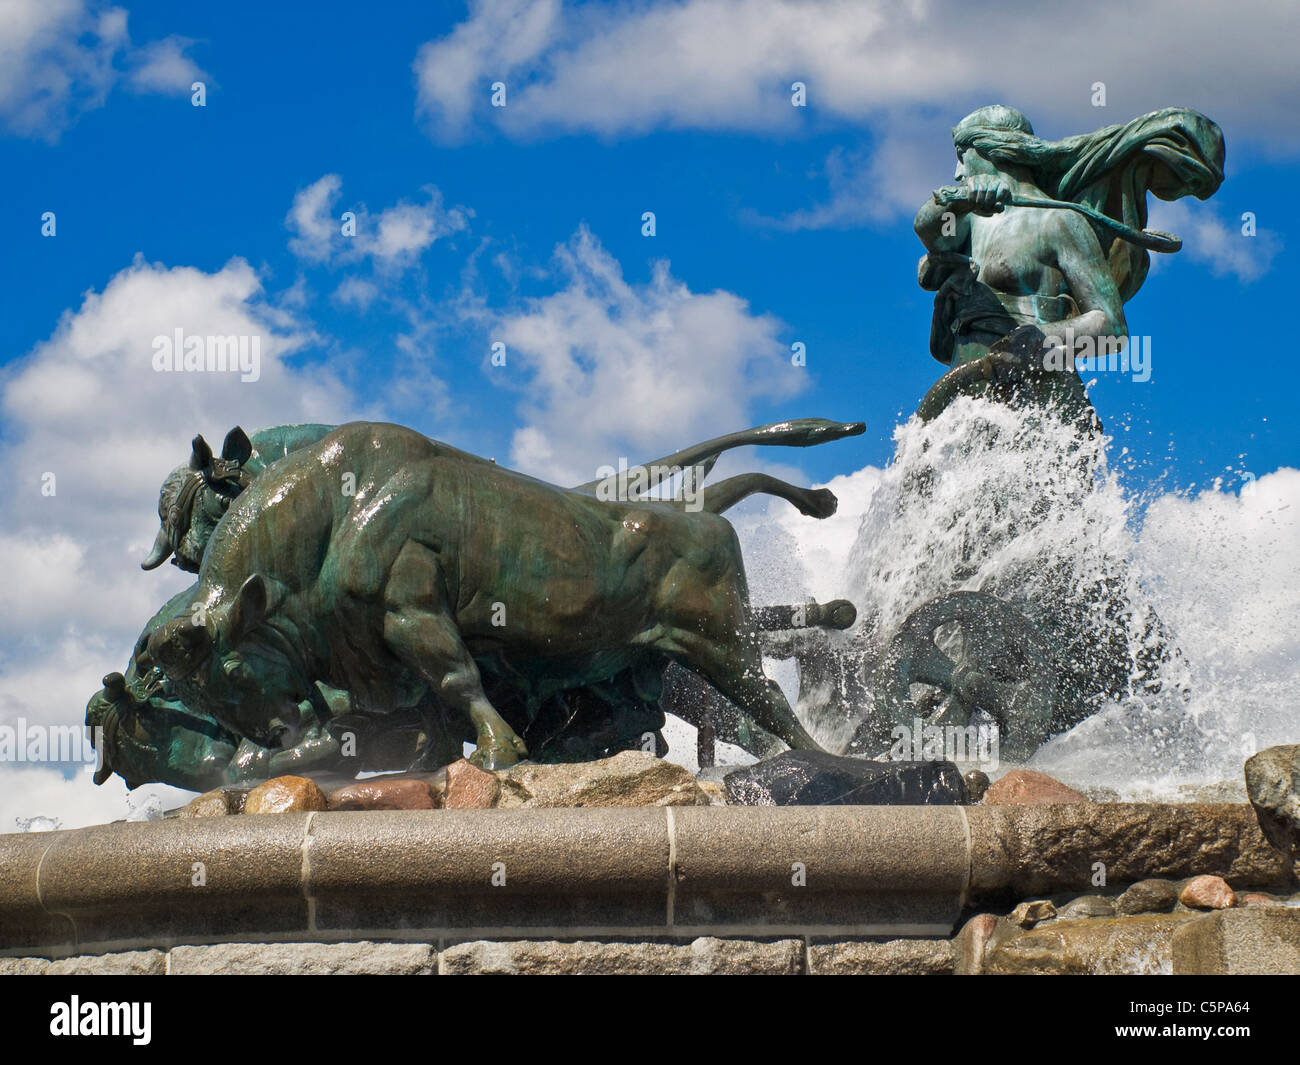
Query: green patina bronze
point(1032, 256)
point(390, 591)
point(194, 497)
point(157, 728)
point(147, 734)
point(1048, 237)
point(363, 580)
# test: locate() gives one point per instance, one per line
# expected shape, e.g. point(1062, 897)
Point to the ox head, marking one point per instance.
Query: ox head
point(193, 499)
point(228, 662)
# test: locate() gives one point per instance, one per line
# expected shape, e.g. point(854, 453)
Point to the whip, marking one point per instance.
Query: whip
point(1151, 239)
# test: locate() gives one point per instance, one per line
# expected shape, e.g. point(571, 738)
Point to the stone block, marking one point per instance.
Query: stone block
point(305, 959)
point(706, 955)
point(1257, 940)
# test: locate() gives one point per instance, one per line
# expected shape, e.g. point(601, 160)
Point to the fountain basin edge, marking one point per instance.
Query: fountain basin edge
point(630, 873)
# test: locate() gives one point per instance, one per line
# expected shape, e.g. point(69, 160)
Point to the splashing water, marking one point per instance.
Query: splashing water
point(37, 824)
point(1181, 614)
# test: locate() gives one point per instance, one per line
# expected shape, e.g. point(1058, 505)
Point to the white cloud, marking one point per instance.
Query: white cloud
point(496, 38)
point(356, 292)
point(1208, 238)
point(728, 64)
point(393, 239)
point(163, 67)
point(87, 407)
point(41, 791)
point(615, 369)
point(310, 220)
point(60, 58)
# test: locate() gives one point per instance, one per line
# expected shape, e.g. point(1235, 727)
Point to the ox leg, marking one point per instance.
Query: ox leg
point(814, 502)
point(420, 630)
point(735, 668)
point(430, 643)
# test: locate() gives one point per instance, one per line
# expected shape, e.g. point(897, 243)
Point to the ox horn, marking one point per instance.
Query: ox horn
point(160, 552)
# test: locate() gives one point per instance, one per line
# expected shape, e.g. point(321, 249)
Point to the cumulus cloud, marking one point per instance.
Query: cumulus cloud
point(356, 292)
point(164, 67)
point(87, 415)
point(91, 429)
point(73, 801)
point(393, 239)
point(728, 65)
point(1209, 238)
point(61, 58)
point(613, 369)
point(494, 41)
point(310, 221)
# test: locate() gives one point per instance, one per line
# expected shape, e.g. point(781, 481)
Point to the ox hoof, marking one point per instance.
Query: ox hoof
point(498, 753)
point(819, 503)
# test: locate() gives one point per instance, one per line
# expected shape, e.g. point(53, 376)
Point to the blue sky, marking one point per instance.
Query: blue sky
point(293, 98)
point(775, 225)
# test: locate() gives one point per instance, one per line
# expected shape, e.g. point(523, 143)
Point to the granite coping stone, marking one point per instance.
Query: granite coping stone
point(565, 872)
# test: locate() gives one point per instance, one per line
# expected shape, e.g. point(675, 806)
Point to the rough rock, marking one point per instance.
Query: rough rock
point(706, 955)
point(467, 787)
point(815, 778)
point(24, 966)
point(1097, 946)
point(1055, 847)
point(1028, 914)
point(124, 963)
point(895, 957)
point(219, 802)
point(1024, 787)
point(1148, 896)
point(1259, 898)
point(713, 792)
point(977, 784)
point(1273, 786)
point(629, 778)
point(282, 795)
point(382, 793)
point(1088, 906)
point(1207, 893)
point(305, 959)
point(979, 935)
point(1258, 940)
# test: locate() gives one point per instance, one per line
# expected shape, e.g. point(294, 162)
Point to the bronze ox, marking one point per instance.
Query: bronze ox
point(433, 558)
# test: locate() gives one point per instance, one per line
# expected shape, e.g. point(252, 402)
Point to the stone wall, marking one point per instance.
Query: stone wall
point(674, 889)
point(702, 955)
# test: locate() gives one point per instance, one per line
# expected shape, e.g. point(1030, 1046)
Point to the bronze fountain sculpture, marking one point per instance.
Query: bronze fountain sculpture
point(1032, 256)
point(161, 722)
point(365, 580)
